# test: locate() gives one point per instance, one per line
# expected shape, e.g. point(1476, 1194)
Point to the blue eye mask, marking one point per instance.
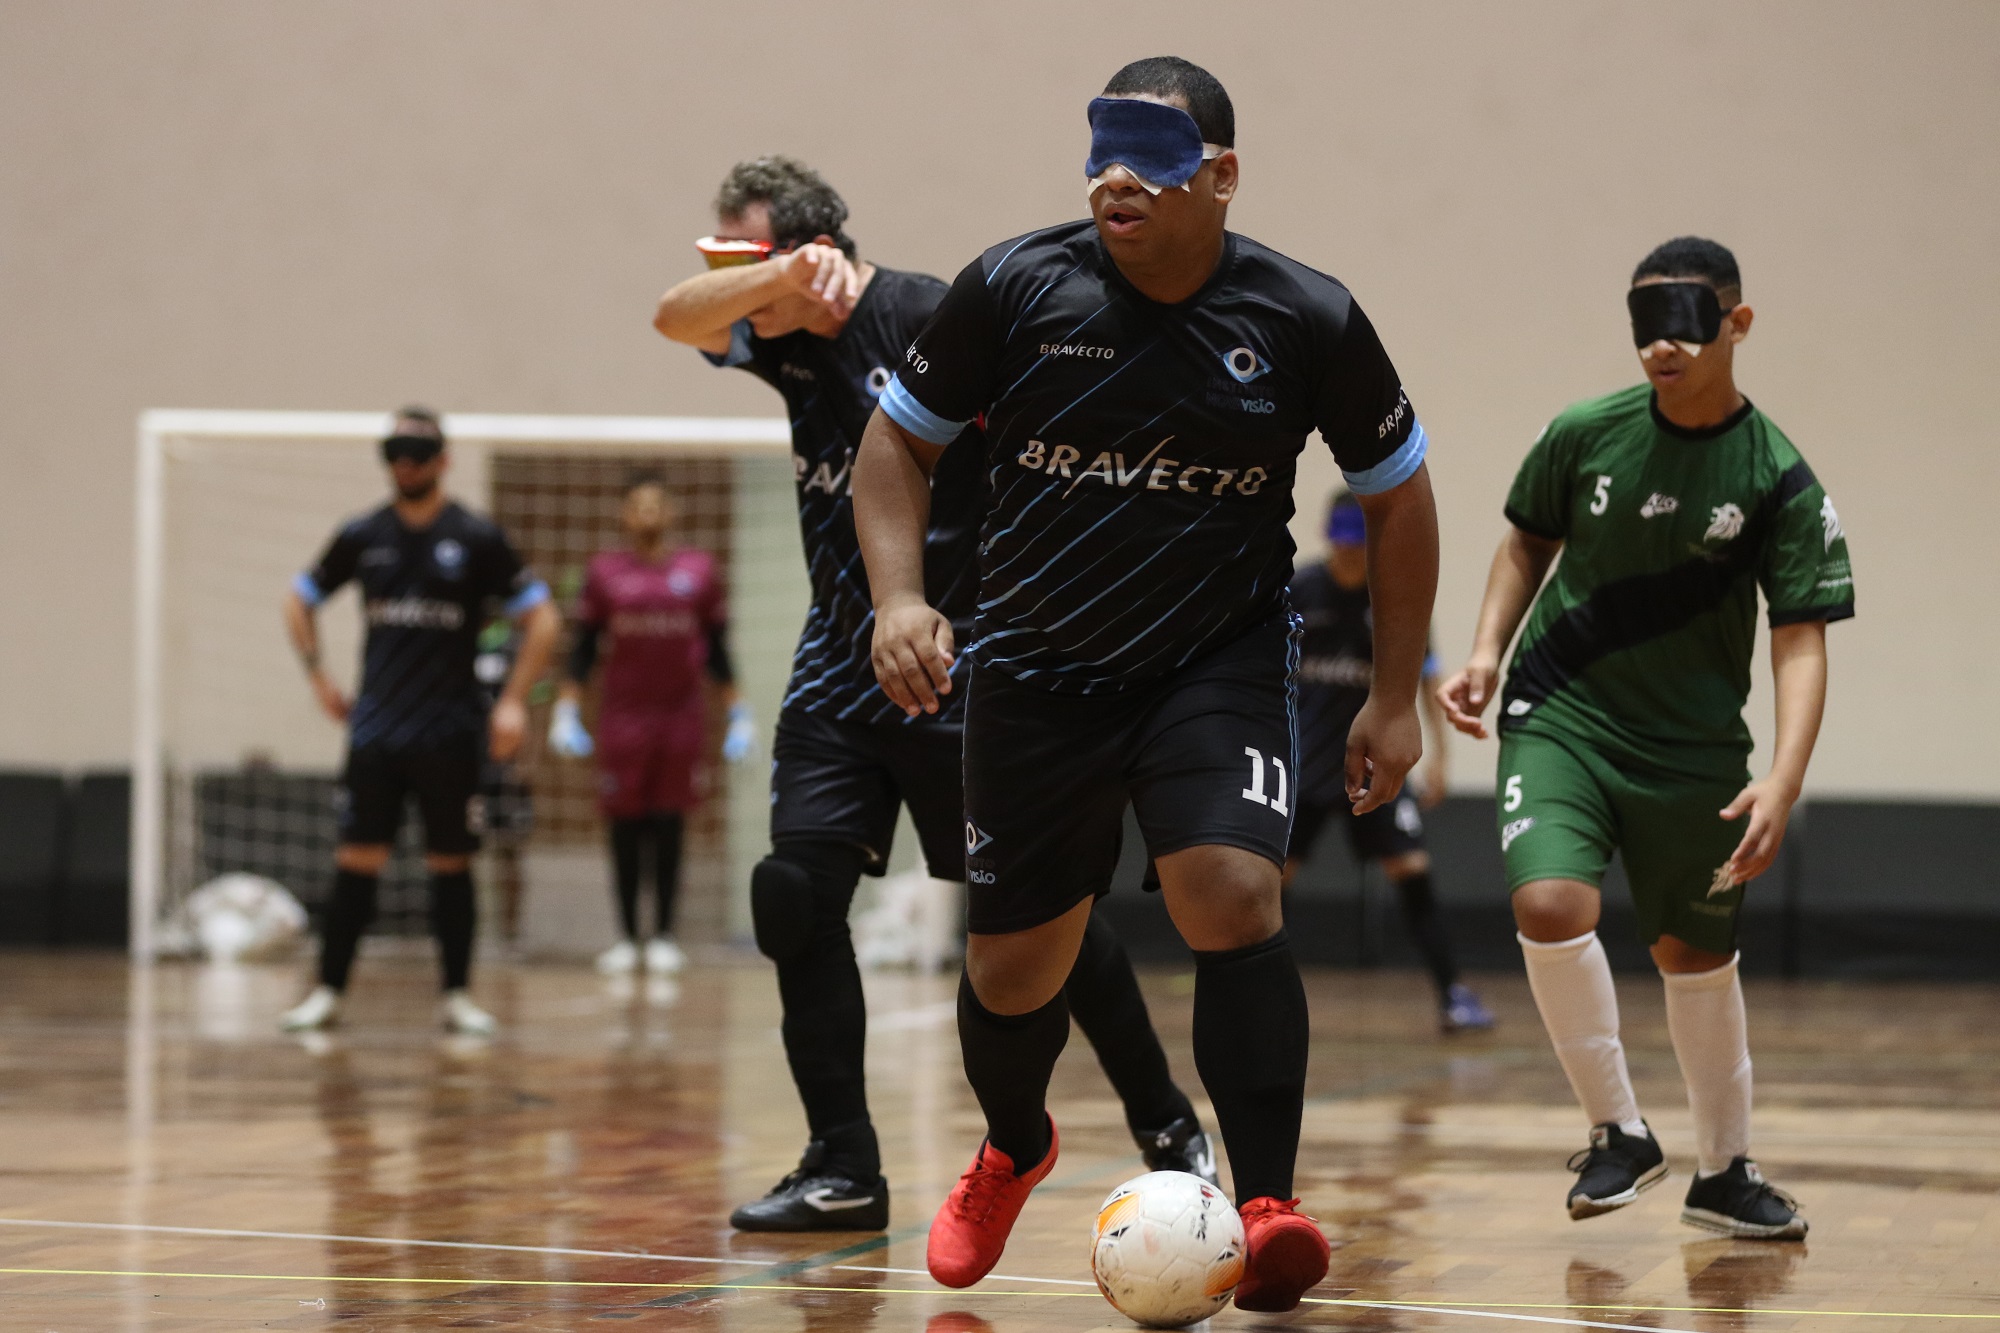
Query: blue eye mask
point(1159, 144)
point(1346, 525)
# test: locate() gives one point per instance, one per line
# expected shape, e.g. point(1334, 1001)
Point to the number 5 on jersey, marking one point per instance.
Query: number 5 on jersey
point(1601, 501)
point(1255, 791)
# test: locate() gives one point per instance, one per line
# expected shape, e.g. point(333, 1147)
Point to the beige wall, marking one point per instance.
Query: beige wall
point(343, 205)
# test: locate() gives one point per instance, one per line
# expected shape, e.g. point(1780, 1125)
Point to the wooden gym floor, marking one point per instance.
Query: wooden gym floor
point(169, 1162)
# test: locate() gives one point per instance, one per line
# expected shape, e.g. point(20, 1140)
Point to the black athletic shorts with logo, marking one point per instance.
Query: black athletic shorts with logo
point(1395, 829)
point(843, 781)
point(444, 778)
point(1204, 756)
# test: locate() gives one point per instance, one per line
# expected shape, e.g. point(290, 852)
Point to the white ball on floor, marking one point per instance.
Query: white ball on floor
point(241, 916)
point(1167, 1249)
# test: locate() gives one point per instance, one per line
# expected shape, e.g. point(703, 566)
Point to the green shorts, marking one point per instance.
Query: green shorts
point(1565, 807)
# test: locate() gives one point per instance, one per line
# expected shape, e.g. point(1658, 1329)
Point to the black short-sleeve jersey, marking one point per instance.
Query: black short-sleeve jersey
point(1336, 670)
point(425, 594)
point(830, 386)
point(1142, 455)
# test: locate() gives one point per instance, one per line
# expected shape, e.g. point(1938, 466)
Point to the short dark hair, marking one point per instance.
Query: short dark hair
point(802, 204)
point(426, 416)
point(639, 478)
point(1170, 76)
point(1691, 257)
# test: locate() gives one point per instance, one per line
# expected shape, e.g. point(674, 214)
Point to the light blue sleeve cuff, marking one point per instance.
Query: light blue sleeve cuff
point(1394, 470)
point(1431, 664)
point(914, 417)
point(308, 591)
point(528, 598)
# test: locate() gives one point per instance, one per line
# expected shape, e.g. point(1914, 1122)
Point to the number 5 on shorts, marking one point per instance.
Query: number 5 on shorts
point(1512, 798)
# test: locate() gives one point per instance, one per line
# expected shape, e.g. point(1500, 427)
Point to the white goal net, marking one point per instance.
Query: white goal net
point(234, 766)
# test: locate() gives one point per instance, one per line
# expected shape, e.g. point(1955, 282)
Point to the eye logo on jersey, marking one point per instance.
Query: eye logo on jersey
point(1830, 521)
point(975, 839)
point(450, 556)
point(877, 381)
point(1724, 523)
point(1244, 365)
point(1152, 473)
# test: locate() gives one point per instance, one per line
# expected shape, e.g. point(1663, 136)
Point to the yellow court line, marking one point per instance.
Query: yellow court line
point(933, 1291)
point(524, 1282)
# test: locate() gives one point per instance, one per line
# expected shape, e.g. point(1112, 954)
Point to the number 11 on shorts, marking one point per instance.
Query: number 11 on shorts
point(1255, 791)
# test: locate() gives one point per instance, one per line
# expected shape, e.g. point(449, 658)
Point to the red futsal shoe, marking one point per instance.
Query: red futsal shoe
point(1285, 1256)
point(971, 1230)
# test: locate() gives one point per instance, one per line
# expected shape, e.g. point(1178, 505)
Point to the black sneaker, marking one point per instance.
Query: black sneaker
point(815, 1198)
point(1181, 1146)
point(1613, 1170)
point(1740, 1202)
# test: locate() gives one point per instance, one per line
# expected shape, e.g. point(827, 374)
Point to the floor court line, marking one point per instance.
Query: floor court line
point(387, 1240)
point(1504, 1310)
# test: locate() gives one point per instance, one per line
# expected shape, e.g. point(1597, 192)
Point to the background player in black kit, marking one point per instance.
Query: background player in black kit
point(1336, 665)
point(787, 301)
point(429, 571)
point(1146, 380)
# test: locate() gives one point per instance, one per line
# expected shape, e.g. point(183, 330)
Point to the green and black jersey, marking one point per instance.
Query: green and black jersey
point(1641, 641)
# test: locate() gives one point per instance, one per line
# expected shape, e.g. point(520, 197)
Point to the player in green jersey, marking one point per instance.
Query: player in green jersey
point(1621, 725)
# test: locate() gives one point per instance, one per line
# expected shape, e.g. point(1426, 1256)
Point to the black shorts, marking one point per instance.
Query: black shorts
point(843, 781)
point(1204, 756)
point(444, 779)
point(1395, 829)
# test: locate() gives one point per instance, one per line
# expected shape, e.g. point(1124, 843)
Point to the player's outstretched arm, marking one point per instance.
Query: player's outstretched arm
point(1798, 667)
point(1519, 567)
point(541, 626)
point(303, 628)
point(1387, 739)
point(700, 310)
point(892, 510)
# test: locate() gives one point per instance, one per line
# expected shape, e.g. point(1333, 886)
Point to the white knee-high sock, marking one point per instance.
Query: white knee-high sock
point(1571, 980)
point(1712, 1042)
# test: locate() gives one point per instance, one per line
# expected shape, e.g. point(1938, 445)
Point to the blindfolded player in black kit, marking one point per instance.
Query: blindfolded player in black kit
point(787, 300)
point(1146, 380)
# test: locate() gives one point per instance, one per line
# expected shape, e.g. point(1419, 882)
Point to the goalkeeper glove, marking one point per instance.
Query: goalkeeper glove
point(742, 733)
point(566, 734)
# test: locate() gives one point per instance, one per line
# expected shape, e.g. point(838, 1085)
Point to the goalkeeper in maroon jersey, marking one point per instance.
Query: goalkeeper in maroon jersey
point(664, 611)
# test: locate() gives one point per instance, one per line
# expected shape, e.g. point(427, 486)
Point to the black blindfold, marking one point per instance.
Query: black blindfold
point(1678, 312)
point(413, 448)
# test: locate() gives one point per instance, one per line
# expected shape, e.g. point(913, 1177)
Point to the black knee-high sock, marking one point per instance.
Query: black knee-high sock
point(1008, 1060)
point(1250, 1043)
point(826, 1018)
point(1104, 1000)
point(1426, 926)
point(454, 919)
point(627, 838)
point(668, 827)
point(348, 913)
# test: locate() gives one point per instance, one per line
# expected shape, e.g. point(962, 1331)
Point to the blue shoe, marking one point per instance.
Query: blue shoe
point(1463, 1011)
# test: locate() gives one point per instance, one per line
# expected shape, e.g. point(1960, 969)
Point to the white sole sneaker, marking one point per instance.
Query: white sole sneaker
point(321, 1009)
point(1724, 1224)
point(1582, 1206)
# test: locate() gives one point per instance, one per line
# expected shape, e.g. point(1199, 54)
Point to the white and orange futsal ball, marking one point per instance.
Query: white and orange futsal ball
point(1167, 1250)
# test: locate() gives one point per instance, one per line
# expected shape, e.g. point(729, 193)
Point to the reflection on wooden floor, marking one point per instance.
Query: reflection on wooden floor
point(170, 1162)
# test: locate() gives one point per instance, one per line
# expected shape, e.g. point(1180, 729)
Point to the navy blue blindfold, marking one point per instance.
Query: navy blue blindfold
point(1159, 144)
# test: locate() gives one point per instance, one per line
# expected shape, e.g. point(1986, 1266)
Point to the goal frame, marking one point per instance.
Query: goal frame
point(160, 428)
